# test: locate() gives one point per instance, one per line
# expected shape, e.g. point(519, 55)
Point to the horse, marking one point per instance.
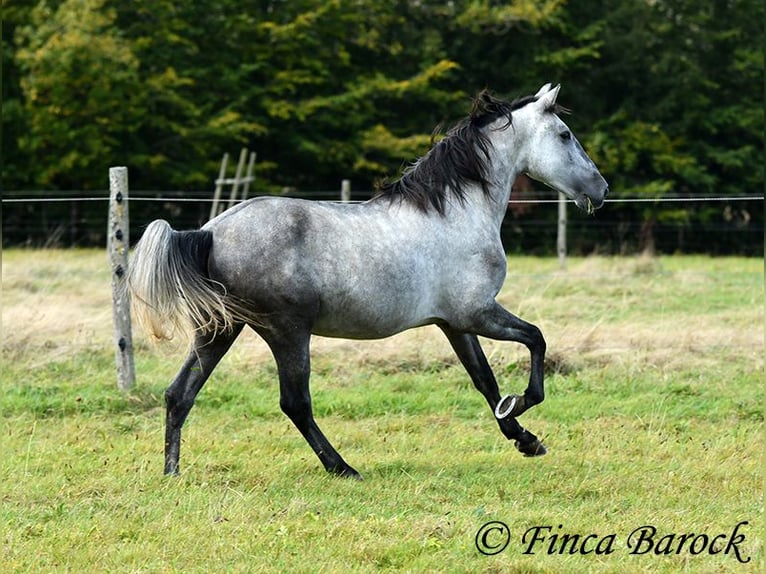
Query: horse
point(425, 249)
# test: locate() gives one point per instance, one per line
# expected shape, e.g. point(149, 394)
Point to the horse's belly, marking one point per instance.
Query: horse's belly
point(365, 331)
point(373, 318)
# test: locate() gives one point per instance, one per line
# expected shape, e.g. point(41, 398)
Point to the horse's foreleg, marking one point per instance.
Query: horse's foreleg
point(472, 357)
point(180, 395)
point(497, 323)
point(294, 365)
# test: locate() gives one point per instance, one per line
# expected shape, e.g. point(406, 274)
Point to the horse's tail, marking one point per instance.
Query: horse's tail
point(170, 287)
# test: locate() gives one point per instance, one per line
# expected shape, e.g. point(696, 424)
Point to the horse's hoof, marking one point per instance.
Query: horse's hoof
point(352, 475)
point(346, 472)
point(533, 448)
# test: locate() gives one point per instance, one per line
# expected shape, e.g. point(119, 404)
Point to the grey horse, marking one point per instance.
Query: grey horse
point(425, 250)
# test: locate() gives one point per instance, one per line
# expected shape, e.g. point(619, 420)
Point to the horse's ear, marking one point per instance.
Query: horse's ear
point(543, 90)
point(548, 100)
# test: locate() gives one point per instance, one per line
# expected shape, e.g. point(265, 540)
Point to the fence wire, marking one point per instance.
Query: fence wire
point(48, 218)
point(133, 197)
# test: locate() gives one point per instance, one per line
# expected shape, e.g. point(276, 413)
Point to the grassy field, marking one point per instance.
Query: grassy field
point(653, 417)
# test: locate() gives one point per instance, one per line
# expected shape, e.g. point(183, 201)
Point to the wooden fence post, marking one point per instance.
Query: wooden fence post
point(345, 191)
point(561, 238)
point(118, 243)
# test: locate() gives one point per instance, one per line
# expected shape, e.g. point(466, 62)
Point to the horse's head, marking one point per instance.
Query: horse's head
point(553, 154)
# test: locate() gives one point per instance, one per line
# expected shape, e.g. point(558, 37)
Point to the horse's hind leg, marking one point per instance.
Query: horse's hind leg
point(179, 397)
point(291, 352)
point(471, 355)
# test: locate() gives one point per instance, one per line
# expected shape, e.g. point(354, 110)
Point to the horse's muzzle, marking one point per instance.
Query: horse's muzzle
point(590, 203)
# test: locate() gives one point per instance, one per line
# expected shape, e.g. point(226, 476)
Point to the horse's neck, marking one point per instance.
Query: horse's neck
point(505, 168)
point(481, 212)
point(507, 160)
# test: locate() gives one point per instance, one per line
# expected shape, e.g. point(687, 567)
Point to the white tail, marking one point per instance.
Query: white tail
point(170, 288)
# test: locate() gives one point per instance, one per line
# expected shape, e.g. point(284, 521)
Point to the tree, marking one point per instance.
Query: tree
point(678, 110)
point(665, 94)
point(14, 165)
point(78, 75)
point(190, 84)
point(325, 76)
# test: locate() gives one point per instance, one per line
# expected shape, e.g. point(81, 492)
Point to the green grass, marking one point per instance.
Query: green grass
point(653, 415)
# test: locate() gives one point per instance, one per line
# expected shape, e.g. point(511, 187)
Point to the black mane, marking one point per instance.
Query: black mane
point(460, 158)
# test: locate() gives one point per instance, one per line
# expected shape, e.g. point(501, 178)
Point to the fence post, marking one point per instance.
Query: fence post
point(345, 191)
point(561, 237)
point(118, 243)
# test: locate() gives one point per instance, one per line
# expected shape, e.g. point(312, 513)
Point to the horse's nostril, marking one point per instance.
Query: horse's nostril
point(606, 192)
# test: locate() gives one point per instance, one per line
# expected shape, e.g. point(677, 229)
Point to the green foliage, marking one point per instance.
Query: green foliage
point(666, 94)
point(78, 83)
point(381, 147)
point(642, 156)
point(690, 70)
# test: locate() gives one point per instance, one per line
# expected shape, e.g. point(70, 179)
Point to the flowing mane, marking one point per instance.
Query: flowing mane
point(459, 159)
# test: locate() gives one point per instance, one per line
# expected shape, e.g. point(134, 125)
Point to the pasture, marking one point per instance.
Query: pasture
point(653, 417)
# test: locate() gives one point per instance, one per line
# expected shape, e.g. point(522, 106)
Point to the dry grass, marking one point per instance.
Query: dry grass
point(57, 303)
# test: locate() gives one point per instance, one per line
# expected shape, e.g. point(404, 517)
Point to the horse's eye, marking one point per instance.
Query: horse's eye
point(565, 136)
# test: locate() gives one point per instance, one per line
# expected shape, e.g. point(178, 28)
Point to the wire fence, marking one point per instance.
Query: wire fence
point(325, 196)
point(712, 223)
